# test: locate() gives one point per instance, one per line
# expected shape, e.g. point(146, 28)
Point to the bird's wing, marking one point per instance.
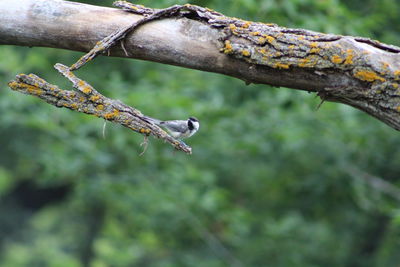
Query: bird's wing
point(151, 120)
point(176, 125)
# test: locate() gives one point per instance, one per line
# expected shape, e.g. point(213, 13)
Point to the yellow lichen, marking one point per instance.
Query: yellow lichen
point(111, 115)
point(315, 50)
point(246, 53)
point(263, 51)
point(73, 106)
point(395, 85)
point(100, 107)
point(304, 62)
point(314, 45)
point(369, 76)
point(246, 24)
point(94, 98)
point(291, 46)
point(261, 40)
point(254, 33)
point(349, 57)
point(228, 47)
point(82, 99)
point(144, 131)
point(33, 90)
point(269, 38)
point(232, 27)
point(86, 90)
point(281, 66)
point(336, 59)
point(398, 108)
point(397, 74)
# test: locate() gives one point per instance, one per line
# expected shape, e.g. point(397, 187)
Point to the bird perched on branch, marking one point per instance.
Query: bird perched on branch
point(178, 128)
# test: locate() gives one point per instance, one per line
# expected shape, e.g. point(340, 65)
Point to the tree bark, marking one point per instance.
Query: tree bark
point(356, 71)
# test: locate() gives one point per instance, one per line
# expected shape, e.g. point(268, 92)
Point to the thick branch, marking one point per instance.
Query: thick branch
point(351, 70)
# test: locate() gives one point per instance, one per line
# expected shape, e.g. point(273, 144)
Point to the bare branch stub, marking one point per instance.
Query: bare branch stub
point(89, 101)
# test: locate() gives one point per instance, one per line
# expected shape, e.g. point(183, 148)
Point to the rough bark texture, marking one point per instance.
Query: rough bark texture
point(356, 71)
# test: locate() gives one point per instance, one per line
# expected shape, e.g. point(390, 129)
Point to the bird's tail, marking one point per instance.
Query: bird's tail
point(151, 120)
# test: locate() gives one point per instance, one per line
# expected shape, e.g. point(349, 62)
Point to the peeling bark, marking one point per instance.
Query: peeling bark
point(352, 70)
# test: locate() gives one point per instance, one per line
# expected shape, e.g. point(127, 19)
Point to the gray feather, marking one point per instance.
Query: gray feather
point(176, 125)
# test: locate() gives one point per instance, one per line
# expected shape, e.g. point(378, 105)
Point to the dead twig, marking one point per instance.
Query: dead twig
point(87, 100)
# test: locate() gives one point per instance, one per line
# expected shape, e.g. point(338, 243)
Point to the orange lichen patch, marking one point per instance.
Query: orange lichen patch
point(111, 115)
point(246, 53)
point(86, 90)
point(336, 59)
point(33, 90)
point(269, 38)
point(349, 57)
point(261, 40)
point(385, 65)
point(262, 51)
point(13, 85)
point(232, 27)
point(254, 33)
point(144, 131)
point(100, 107)
point(369, 76)
point(281, 66)
point(228, 47)
point(94, 98)
point(397, 74)
point(304, 62)
point(246, 24)
point(301, 38)
point(73, 106)
point(314, 50)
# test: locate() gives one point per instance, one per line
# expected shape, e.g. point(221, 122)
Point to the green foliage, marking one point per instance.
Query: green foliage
point(267, 185)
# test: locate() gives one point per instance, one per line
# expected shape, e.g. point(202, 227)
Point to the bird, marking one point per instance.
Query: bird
point(178, 129)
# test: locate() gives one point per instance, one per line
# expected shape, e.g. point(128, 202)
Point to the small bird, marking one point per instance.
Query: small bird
point(178, 128)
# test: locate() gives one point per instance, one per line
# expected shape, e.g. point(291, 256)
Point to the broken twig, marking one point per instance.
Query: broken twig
point(87, 100)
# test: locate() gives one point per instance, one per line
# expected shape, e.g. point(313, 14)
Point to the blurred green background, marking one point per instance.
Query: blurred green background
point(271, 182)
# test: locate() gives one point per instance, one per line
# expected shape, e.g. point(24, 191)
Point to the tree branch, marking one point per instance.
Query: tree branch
point(356, 71)
point(87, 100)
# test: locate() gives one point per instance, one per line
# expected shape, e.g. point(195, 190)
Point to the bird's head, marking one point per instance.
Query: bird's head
point(193, 123)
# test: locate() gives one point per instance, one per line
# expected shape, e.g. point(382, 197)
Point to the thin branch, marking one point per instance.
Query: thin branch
point(375, 182)
point(118, 35)
point(87, 100)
